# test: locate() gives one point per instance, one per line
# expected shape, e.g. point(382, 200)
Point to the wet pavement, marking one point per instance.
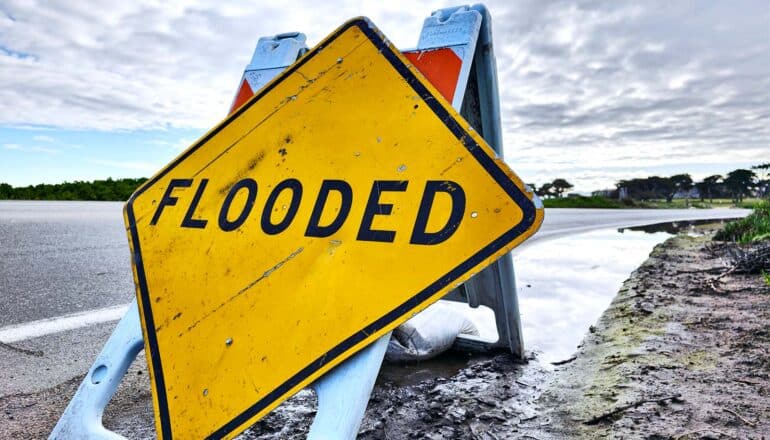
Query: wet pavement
point(64, 257)
point(61, 257)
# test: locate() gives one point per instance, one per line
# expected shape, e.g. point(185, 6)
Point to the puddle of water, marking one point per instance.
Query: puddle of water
point(564, 285)
point(404, 374)
point(673, 228)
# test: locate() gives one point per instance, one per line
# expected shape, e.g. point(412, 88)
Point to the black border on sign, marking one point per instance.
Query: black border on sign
point(487, 162)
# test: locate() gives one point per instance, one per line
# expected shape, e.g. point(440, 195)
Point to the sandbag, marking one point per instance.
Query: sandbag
point(428, 334)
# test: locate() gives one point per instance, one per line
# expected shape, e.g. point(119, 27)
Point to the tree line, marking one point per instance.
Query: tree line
point(554, 189)
point(105, 190)
point(736, 185)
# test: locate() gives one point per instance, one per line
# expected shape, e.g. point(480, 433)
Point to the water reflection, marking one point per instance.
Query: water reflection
point(565, 284)
point(672, 227)
point(409, 373)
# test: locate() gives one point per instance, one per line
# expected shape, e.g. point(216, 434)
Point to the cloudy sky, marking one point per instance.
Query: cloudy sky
point(590, 91)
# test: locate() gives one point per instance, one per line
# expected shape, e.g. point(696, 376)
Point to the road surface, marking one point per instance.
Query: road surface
point(65, 278)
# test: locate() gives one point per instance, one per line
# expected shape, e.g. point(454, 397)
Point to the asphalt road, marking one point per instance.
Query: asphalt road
point(60, 258)
point(57, 258)
point(561, 222)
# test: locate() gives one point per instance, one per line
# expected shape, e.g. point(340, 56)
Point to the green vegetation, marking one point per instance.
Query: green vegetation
point(587, 202)
point(753, 228)
point(556, 188)
point(740, 188)
point(608, 203)
point(116, 190)
point(749, 203)
point(682, 204)
point(713, 203)
point(766, 277)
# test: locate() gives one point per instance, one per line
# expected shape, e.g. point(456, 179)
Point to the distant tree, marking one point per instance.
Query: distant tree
point(764, 184)
point(545, 191)
point(740, 183)
point(707, 185)
point(663, 187)
point(118, 190)
point(647, 188)
point(560, 185)
point(764, 167)
point(6, 191)
point(682, 183)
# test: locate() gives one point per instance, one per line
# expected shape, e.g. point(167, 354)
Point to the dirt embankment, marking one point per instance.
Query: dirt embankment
point(676, 356)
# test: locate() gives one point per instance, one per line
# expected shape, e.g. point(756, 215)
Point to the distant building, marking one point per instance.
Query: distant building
point(763, 189)
point(691, 194)
point(618, 193)
point(609, 193)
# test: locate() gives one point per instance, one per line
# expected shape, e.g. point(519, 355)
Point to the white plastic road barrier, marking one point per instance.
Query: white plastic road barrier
point(83, 417)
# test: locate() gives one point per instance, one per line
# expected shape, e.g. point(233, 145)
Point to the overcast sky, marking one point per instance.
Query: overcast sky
point(590, 91)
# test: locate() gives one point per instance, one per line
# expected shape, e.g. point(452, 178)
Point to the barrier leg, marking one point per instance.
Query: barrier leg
point(83, 417)
point(343, 393)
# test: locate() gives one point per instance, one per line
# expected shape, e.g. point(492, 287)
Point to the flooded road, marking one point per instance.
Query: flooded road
point(57, 258)
point(563, 285)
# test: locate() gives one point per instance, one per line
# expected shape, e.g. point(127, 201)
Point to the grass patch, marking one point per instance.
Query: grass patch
point(588, 202)
point(753, 228)
point(705, 204)
point(605, 203)
point(750, 203)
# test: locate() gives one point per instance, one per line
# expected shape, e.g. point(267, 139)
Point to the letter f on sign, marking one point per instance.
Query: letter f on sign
point(168, 199)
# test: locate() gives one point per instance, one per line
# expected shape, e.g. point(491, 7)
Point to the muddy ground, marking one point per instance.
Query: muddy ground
point(676, 356)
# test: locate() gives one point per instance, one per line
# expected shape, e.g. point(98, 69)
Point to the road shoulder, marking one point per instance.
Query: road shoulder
point(675, 356)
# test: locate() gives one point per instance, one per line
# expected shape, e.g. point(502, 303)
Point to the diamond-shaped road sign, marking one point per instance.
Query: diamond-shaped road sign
point(342, 199)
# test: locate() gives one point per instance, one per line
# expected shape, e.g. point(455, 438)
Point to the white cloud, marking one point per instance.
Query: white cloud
point(32, 148)
point(635, 88)
point(43, 138)
point(148, 65)
point(178, 145)
point(147, 167)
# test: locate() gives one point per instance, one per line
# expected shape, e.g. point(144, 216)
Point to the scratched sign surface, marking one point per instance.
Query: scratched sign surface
point(343, 198)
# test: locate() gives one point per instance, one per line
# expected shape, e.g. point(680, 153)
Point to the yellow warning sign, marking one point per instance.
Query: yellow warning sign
point(343, 198)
